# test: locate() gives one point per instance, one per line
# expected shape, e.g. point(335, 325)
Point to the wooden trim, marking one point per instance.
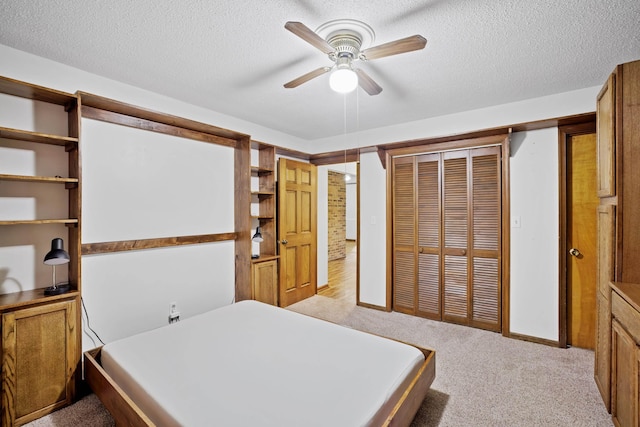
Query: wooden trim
point(242, 219)
point(564, 135)
point(450, 145)
point(102, 103)
point(335, 157)
point(389, 221)
point(120, 406)
point(162, 242)
point(358, 232)
point(281, 151)
point(372, 306)
point(536, 340)
point(506, 237)
point(148, 125)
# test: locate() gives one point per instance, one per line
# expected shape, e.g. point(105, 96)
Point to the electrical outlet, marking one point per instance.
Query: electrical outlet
point(174, 314)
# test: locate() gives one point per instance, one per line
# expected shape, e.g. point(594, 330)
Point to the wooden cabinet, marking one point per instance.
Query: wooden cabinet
point(264, 263)
point(39, 357)
point(625, 354)
point(41, 344)
point(264, 280)
point(618, 131)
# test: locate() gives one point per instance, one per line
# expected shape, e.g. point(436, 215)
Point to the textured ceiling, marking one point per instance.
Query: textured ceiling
point(234, 56)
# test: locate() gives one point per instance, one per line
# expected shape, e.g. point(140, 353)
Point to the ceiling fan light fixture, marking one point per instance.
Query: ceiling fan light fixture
point(343, 80)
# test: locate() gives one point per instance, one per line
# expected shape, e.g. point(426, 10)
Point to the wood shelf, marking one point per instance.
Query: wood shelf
point(258, 171)
point(40, 138)
point(39, 221)
point(44, 179)
point(35, 92)
point(263, 193)
point(264, 258)
point(12, 301)
point(262, 217)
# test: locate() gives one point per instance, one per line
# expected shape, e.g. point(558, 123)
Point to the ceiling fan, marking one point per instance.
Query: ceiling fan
point(342, 40)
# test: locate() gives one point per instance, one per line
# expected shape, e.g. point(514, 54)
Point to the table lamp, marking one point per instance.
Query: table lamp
point(56, 256)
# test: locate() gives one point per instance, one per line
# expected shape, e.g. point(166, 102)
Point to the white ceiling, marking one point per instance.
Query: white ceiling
point(234, 56)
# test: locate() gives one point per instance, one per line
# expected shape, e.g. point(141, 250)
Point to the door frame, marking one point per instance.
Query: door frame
point(564, 135)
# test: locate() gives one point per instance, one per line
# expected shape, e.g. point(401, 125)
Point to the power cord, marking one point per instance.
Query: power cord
point(89, 325)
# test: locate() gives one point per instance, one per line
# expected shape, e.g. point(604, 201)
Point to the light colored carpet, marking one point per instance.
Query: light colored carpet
point(482, 378)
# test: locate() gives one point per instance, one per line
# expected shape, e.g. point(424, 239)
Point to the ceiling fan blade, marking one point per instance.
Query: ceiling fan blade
point(407, 44)
point(306, 77)
point(302, 31)
point(367, 83)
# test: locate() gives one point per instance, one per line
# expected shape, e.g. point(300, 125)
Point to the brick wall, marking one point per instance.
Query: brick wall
point(337, 215)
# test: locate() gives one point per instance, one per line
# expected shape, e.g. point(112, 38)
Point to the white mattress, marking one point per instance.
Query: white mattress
point(252, 364)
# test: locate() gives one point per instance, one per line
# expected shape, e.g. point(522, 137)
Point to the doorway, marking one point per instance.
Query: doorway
point(578, 243)
point(342, 232)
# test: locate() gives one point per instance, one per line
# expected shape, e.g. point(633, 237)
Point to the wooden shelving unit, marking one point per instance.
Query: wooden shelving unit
point(41, 370)
point(264, 277)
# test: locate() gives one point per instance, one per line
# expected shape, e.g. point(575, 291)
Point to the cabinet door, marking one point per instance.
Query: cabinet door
point(265, 282)
point(404, 234)
point(624, 377)
point(605, 122)
point(38, 348)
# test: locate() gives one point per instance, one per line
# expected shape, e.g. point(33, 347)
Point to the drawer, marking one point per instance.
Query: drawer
point(627, 316)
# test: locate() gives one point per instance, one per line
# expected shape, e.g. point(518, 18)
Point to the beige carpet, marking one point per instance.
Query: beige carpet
point(482, 378)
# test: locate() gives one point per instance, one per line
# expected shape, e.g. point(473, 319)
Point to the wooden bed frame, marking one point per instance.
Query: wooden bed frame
point(126, 413)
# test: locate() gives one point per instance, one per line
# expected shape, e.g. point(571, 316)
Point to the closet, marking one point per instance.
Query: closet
point(447, 215)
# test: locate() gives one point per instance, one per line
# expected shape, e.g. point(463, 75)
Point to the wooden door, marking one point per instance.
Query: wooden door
point(582, 256)
point(455, 202)
point(297, 238)
point(486, 238)
point(429, 236)
point(404, 232)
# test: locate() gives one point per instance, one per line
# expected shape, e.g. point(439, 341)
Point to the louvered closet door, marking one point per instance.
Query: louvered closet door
point(428, 206)
point(455, 200)
point(485, 253)
point(404, 232)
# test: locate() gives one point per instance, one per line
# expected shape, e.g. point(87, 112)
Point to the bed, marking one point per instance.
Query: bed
point(250, 363)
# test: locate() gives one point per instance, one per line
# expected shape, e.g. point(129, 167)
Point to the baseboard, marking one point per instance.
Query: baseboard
point(372, 306)
point(536, 340)
point(322, 288)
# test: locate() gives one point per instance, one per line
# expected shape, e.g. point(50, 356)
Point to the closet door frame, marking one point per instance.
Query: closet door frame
point(500, 139)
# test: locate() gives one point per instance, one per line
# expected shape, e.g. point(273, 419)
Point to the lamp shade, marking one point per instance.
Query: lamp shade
point(57, 255)
point(258, 236)
point(343, 80)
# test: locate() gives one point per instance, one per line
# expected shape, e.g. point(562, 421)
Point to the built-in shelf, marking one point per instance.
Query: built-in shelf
point(262, 217)
point(39, 221)
point(15, 300)
point(263, 193)
point(264, 258)
point(45, 179)
point(41, 138)
point(258, 171)
point(38, 93)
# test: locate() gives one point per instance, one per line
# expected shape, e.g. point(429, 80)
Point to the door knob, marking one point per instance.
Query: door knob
point(284, 242)
point(574, 252)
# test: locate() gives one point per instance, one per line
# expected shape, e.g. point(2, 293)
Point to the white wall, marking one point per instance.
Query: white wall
point(534, 244)
point(373, 230)
point(351, 211)
point(23, 66)
point(323, 226)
